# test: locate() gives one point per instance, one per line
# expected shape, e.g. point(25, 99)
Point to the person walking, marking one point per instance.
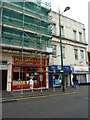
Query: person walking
point(31, 84)
point(76, 83)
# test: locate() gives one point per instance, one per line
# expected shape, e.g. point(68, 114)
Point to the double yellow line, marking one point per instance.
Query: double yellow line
point(43, 96)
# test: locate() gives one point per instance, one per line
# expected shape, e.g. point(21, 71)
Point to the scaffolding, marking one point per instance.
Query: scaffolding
point(26, 27)
point(37, 25)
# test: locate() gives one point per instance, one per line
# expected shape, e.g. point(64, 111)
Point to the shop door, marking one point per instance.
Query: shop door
point(4, 79)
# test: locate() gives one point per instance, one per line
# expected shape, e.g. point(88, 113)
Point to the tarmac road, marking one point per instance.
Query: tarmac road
point(73, 105)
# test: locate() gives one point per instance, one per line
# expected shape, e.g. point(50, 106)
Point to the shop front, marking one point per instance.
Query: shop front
point(21, 73)
point(80, 73)
point(55, 75)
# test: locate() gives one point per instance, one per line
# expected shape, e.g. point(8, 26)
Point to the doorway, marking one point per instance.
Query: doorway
point(4, 79)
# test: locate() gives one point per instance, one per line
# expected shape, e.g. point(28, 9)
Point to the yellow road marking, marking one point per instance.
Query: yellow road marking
point(44, 96)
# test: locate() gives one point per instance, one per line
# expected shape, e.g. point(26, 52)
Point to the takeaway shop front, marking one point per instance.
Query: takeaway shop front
point(55, 74)
point(21, 74)
point(80, 73)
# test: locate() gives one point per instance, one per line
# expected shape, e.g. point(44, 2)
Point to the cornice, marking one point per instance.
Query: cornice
point(71, 40)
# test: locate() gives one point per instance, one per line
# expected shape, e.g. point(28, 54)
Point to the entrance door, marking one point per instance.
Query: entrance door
point(4, 79)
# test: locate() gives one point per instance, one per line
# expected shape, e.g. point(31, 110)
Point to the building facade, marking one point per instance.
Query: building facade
point(25, 37)
point(74, 48)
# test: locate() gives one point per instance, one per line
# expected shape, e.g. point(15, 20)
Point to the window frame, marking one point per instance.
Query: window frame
point(63, 54)
point(80, 36)
point(74, 35)
point(76, 54)
point(82, 51)
point(54, 50)
point(54, 28)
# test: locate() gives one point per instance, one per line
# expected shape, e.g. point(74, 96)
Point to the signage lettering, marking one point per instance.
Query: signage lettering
point(27, 60)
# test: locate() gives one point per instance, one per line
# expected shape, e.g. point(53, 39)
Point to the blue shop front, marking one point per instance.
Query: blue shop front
point(55, 74)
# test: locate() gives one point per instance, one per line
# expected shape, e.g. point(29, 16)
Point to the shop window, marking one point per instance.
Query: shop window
point(15, 76)
point(17, 73)
point(57, 79)
point(34, 71)
point(22, 76)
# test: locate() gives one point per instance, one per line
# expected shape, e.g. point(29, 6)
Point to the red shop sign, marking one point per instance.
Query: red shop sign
point(27, 60)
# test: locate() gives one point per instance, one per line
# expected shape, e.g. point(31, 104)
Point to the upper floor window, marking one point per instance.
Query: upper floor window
point(74, 34)
point(80, 36)
point(76, 53)
point(82, 54)
point(54, 49)
point(63, 51)
point(62, 33)
point(54, 28)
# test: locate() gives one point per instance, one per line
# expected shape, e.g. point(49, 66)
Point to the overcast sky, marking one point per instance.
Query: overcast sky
point(78, 10)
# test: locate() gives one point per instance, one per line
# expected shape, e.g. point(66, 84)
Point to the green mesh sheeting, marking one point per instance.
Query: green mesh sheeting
point(27, 18)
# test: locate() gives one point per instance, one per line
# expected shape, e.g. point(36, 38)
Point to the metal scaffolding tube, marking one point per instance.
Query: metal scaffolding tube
point(27, 35)
point(1, 12)
point(22, 48)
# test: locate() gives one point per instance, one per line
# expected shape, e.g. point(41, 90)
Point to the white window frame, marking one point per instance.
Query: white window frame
point(80, 36)
point(63, 51)
point(74, 34)
point(82, 54)
point(54, 51)
point(76, 54)
point(54, 28)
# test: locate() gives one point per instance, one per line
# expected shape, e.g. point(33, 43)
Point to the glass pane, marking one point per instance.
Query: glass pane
point(74, 35)
point(54, 49)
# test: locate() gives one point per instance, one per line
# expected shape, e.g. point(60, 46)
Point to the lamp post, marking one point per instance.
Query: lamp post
point(67, 8)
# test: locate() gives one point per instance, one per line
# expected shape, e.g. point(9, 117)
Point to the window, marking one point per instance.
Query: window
point(53, 28)
point(63, 51)
point(80, 36)
point(54, 49)
point(76, 53)
point(62, 30)
point(74, 34)
point(81, 54)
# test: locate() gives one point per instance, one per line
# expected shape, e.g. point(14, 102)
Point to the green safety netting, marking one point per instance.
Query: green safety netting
point(30, 20)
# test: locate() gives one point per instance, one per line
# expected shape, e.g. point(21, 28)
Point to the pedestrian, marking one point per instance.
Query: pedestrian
point(31, 84)
point(76, 83)
point(72, 82)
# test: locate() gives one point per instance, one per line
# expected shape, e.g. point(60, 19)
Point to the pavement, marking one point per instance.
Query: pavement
point(20, 95)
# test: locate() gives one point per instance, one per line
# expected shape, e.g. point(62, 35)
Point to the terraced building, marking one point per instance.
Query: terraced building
point(25, 39)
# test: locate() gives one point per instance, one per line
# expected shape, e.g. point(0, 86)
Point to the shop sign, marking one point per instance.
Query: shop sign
point(58, 67)
point(81, 69)
point(3, 66)
point(27, 60)
point(66, 68)
point(55, 67)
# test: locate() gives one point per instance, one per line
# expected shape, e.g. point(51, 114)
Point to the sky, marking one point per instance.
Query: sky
point(78, 10)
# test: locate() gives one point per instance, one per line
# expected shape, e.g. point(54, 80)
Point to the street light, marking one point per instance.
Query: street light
point(67, 8)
